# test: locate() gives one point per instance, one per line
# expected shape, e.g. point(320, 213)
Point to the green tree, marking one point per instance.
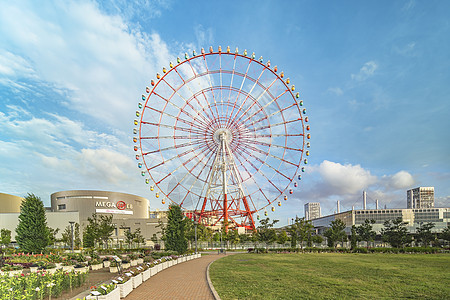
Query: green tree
point(336, 233)
point(52, 236)
point(5, 237)
point(282, 237)
point(354, 237)
point(424, 234)
point(99, 230)
point(175, 232)
point(32, 233)
point(365, 231)
point(266, 233)
point(129, 236)
point(233, 237)
point(302, 230)
point(138, 237)
point(445, 234)
point(395, 233)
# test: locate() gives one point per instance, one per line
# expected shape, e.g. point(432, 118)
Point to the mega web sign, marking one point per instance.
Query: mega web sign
point(120, 207)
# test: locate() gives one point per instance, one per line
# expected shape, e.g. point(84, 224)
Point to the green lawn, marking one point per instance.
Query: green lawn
point(332, 276)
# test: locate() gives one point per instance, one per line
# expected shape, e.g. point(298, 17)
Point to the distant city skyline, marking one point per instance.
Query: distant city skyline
point(373, 75)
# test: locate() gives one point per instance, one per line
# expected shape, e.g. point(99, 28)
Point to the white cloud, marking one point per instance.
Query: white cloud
point(401, 180)
point(345, 179)
point(74, 46)
point(366, 71)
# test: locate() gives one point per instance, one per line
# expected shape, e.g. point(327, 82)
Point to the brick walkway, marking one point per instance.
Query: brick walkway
point(186, 280)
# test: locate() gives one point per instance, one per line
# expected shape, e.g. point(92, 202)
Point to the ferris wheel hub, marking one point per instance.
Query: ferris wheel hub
point(223, 134)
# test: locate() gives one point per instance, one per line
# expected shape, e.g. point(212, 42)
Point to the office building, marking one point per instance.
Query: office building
point(312, 210)
point(421, 197)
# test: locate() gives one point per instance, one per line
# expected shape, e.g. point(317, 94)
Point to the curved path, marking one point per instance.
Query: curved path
point(187, 280)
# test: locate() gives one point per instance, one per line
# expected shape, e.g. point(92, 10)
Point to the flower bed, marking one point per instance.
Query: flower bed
point(105, 292)
point(38, 285)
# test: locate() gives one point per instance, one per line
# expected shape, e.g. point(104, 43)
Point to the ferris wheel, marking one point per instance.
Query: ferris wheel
point(222, 134)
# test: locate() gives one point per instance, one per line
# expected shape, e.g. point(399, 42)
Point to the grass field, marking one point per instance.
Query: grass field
point(332, 276)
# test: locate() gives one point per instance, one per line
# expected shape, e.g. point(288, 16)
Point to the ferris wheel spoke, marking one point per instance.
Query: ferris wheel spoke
point(261, 173)
point(172, 147)
point(271, 155)
point(265, 106)
point(264, 163)
point(173, 127)
point(271, 145)
point(255, 82)
point(244, 76)
point(256, 101)
point(192, 124)
point(175, 137)
point(231, 83)
point(277, 124)
point(211, 84)
point(189, 170)
point(197, 178)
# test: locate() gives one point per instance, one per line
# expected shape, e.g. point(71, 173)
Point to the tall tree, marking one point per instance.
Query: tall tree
point(445, 234)
point(354, 237)
point(424, 234)
point(302, 230)
point(336, 233)
point(98, 230)
point(395, 233)
point(282, 237)
point(266, 233)
point(365, 231)
point(32, 233)
point(175, 231)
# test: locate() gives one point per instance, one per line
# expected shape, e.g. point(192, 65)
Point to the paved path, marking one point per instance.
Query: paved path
point(186, 280)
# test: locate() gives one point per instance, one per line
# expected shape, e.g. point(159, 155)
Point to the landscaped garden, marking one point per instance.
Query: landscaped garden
point(332, 276)
point(27, 276)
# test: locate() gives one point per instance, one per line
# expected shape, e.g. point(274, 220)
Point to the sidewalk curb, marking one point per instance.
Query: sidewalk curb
point(211, 287)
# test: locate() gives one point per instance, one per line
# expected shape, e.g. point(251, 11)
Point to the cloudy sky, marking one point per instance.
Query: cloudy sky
point(374, 76)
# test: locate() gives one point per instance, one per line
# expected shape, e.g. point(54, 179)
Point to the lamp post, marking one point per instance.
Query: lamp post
point(71, 234)
point(195, 227)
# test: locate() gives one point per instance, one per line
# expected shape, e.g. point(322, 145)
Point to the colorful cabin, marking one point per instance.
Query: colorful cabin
point(164, 70)
point(275, 69)
point(147, 89)
point(279, 203)
point(152, 188)
point(135, 139)
point(135, 131)
point(163, 201)
point(285, 197)
point(306, 119)
point(300, 103)
point(261, 59)
point(228, 49)
point(143, 97)
point(139, 165)
point(138, 113)
point(171, 64)
point(299, 177)
point(147, 181)
point(157, 195)
point(137, 157)
point(152, 82)
point(253, 55)
point(143, 173)
point(305, 161)
point(291, 191)
point(158, 76)
point(202, 51)
point(178, 60)
point(136, 122)
point(273, 208)
point(139, 105)
point(211, 50)
point(265, 213)
point(295, 183)
point(220, 49)
point(308, 144)
point(268, 63)
point(288, 81)
point(135, 148)
point(303, 169)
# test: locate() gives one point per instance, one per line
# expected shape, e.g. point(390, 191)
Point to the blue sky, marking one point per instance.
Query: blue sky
point(374, 76)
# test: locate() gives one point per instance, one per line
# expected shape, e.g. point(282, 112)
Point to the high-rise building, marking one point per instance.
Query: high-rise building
point(312, 210)
point(421, 197)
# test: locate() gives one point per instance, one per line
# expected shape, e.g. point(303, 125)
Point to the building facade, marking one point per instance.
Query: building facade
point(413, 217)
point(421, 197)
point(129, 212)
point(312, 210)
